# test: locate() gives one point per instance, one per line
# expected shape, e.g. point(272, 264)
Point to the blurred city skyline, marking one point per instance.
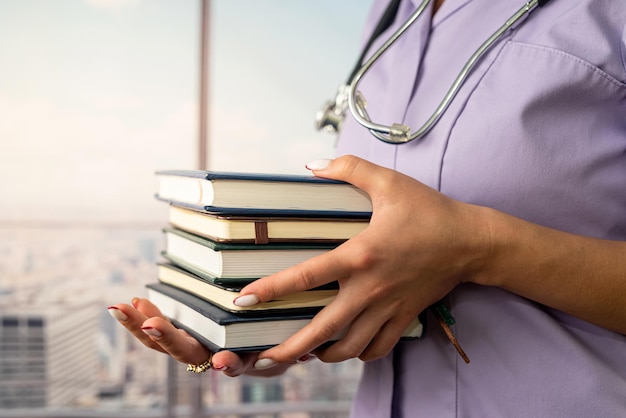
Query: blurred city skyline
point(96, 95)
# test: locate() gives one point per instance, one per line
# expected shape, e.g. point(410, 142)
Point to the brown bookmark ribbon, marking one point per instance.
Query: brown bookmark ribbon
point(261, 236)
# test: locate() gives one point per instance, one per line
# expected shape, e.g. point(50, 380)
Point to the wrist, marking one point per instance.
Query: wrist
point(489, 246)
point(509, 244)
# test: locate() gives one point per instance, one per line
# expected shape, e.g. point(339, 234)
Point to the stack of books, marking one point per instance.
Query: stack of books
point(227, 229)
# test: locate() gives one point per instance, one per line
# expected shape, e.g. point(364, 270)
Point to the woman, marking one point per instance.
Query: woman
point(512, 210)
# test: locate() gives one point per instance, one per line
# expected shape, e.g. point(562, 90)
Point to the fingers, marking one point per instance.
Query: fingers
point(133, 319)
point(236, 364)
point(148, 325)
point(232, 364)
point(320, 270)
point(146, 307)
point(329, 324)
point(380, 346)
point(356, 330)
point(320, 330)
point(356, 171)
point(175, 342)
point(367, 340)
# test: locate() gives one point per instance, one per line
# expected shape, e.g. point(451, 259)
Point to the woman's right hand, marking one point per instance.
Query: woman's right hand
point(144, 320)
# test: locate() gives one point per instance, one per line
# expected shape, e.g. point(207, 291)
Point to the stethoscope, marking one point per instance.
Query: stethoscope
point(331, 116)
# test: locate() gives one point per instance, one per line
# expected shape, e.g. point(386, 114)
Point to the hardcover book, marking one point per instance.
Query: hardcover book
point(223, 227)
point(207, 288)
point(236, 261)
point(218, 329)
point(273, 194)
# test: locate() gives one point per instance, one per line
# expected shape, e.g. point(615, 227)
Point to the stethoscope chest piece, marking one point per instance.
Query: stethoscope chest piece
point(330, 118)
point(332, 114)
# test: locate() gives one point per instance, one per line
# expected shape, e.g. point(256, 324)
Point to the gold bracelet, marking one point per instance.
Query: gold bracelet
point(202, 367)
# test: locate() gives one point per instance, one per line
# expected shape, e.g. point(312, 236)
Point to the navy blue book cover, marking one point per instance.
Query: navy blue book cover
point(222, 317)
point(215, 208)
point(234, 175)
point(225, 318)
point(259, 212)
point(218, 315)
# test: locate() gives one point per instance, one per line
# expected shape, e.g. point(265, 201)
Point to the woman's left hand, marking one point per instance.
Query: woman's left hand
point(418, 246)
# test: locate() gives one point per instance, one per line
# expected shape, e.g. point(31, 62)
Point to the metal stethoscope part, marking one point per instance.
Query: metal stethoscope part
point(331, 116)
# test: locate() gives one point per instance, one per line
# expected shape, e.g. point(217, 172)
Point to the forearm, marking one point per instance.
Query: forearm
point(582, 276)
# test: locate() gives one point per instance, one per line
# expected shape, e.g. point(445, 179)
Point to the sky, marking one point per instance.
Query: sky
point(275, 87)
point(95, 95)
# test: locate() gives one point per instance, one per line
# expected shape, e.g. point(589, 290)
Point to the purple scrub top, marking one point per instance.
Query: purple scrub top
point(538, 130)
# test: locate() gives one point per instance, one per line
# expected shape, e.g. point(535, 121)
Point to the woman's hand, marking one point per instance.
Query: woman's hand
point(418, 247)
point(148, 325)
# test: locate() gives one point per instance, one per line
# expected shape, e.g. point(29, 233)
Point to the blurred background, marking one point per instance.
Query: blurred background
point(95, 95)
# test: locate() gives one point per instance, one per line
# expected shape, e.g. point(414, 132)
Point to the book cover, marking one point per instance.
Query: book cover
point(219, 329)
point(256, 193)
point(226, 283)
point(225, 227)
point(230, 260)
point(205, 287)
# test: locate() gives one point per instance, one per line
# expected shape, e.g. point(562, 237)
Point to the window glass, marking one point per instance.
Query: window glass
point(273, 64)
point(95, 95)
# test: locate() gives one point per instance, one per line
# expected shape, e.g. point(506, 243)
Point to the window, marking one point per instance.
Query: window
point(95, 95)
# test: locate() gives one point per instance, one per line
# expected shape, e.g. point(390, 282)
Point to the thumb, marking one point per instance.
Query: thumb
point(361, 173)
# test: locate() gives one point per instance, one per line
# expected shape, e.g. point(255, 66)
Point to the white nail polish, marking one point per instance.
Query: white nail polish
point(320, 164)
point(247, 300)
point(264, 363)
point(152, 332)
point(117, 314)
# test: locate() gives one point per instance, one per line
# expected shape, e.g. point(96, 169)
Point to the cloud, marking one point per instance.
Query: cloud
point(238, 124)
point(77, 164)
point(118, 102)
point(72, 164)
point(112, 4)
point(247, 141)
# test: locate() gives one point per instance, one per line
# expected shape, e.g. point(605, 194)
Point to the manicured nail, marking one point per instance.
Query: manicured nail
point(264, 363)
point(305, 358)
point(320, 164)
point(246, 300)
point(220, 369)
point(153, 332)
point(134, 302)
point(117, 314)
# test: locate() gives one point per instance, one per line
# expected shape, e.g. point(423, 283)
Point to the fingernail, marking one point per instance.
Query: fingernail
point(320, 164)
point(220, 369)
point(153, 332)
point(117, 314)
point(134, 302)
point(246, 300)
point(264, 363)
point(305, 358)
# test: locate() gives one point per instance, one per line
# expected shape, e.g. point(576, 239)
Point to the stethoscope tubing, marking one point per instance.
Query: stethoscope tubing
point(401, 134)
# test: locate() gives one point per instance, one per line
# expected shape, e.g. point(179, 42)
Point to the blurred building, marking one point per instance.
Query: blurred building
point(48, 357)
point(62, 354)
